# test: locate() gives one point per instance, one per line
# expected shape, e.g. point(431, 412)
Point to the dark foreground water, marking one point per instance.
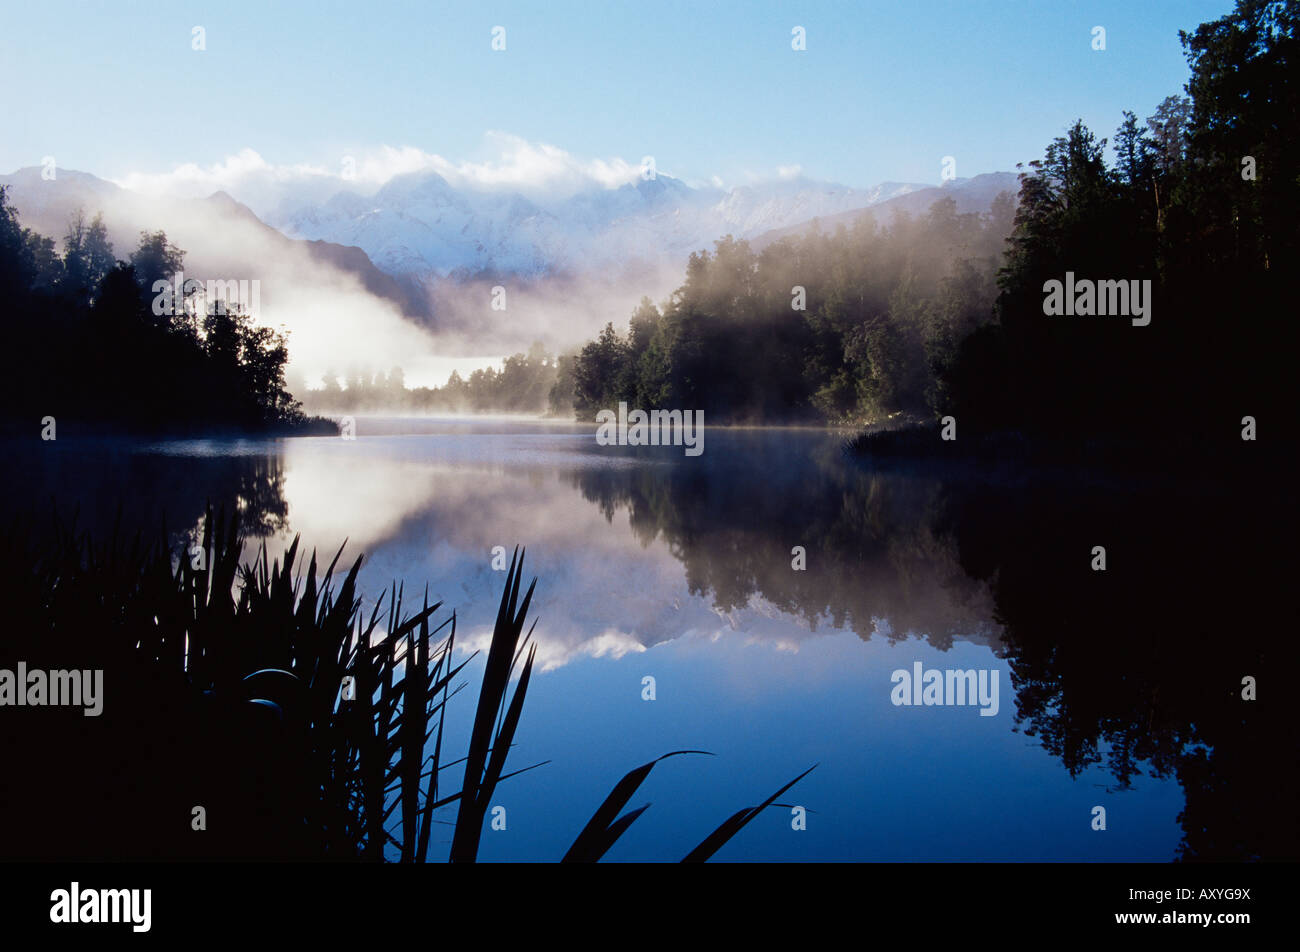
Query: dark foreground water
point(1118, 689)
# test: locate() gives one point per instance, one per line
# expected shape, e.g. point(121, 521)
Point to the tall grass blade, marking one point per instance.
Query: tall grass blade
point(482, 775)
point(719, 837)
point(602, 830)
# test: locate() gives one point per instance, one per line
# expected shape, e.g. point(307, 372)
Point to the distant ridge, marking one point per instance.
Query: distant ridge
point(971, 195)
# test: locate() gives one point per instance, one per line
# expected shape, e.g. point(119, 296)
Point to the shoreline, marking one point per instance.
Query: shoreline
point(311, 426)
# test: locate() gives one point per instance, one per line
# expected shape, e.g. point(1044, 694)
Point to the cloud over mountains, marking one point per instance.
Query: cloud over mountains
point(397, 249)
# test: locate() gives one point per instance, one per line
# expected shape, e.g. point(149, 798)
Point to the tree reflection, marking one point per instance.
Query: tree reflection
point(1137, 668)
point(114, 485)
point(876, 547)
point(1140, 667)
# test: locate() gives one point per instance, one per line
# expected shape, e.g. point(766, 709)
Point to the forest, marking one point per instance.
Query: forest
point(945, 314)
point(86, 345)
point(520, 386)
point(839, 327)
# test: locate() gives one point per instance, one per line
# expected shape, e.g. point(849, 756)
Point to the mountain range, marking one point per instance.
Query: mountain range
point(361, 278)
point(418, 228)
point(418, 224)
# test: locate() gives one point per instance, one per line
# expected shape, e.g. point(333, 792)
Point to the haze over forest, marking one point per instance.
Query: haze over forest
point(403, 276)
point(542, 281)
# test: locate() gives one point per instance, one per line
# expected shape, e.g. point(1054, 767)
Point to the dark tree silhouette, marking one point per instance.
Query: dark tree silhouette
point(93, 343)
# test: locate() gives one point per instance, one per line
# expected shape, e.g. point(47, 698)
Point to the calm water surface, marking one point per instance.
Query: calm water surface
point(654, 564)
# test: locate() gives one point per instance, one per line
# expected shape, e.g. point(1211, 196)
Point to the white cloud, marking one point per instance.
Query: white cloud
point(515, 164)
point(553, 653)
point(526, 166)
point(246, 175)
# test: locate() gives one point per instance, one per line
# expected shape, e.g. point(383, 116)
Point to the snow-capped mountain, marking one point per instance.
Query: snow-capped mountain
point(420, 225)
point(419, 228)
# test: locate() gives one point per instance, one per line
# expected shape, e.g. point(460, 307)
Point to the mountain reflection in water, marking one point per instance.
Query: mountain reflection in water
point(1129, 678)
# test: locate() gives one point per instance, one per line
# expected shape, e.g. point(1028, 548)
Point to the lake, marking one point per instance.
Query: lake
point(771, 590)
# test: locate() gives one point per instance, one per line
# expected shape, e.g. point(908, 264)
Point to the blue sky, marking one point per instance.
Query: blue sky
point(883, 91)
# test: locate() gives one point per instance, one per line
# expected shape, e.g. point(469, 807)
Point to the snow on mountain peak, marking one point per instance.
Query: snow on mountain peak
point(420, 224)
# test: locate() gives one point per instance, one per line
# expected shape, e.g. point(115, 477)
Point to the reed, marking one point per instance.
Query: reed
point(254, 658)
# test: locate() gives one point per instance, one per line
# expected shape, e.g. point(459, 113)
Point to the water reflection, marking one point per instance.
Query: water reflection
point(1140, 667)
point(877, 559)
point(146, 487)
point(1135, 670)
